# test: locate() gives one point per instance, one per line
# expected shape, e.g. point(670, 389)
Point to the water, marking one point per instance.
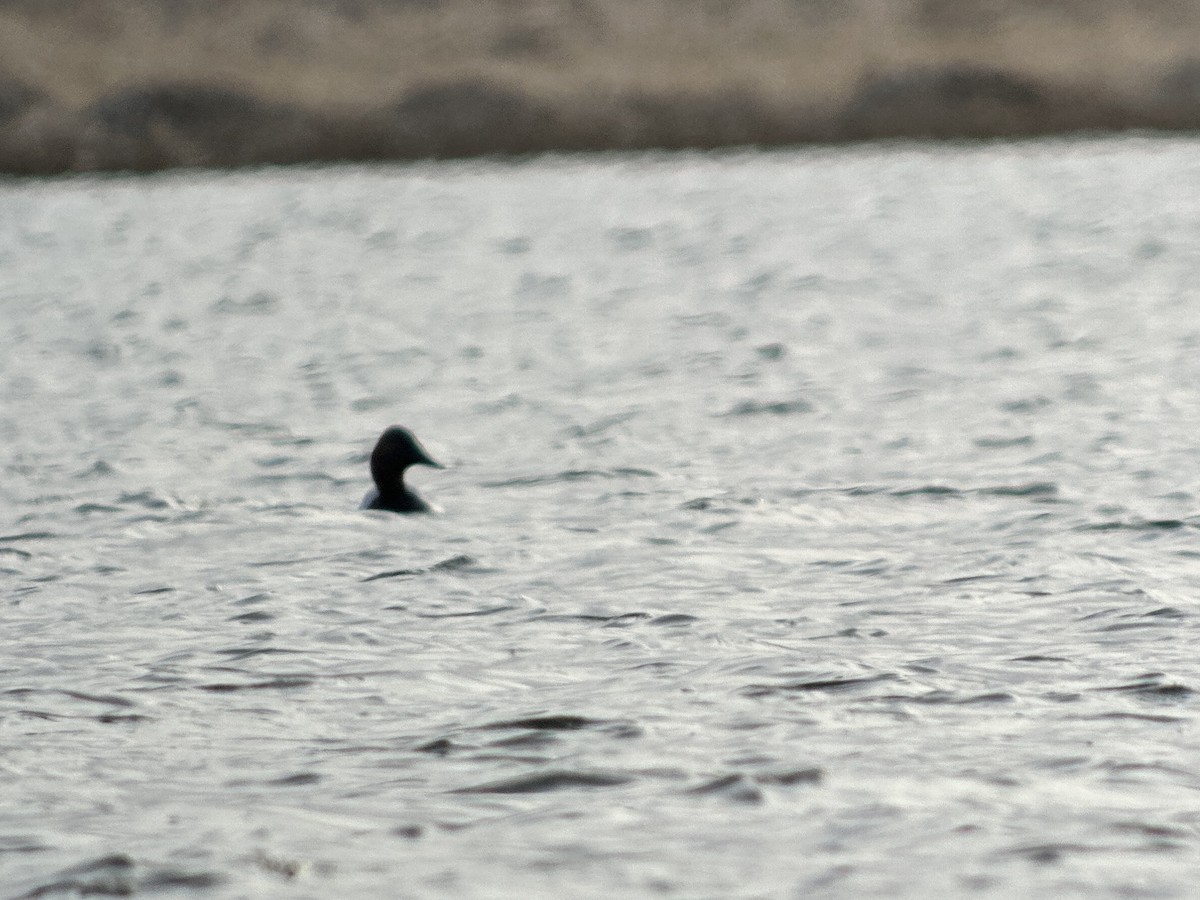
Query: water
point(820, 524)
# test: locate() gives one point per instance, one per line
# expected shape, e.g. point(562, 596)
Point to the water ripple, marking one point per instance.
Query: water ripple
point(542, 782)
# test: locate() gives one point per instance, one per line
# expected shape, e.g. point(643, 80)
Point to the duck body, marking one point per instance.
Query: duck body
point(394, 452)
point(407, 501)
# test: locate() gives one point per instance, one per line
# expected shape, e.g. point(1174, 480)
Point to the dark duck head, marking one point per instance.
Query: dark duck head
point(395, 451)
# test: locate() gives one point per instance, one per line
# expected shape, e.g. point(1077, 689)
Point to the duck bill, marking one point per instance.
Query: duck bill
point(423, 458)
point(427, 460)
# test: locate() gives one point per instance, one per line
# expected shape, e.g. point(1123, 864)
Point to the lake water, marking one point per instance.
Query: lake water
point(818, 524)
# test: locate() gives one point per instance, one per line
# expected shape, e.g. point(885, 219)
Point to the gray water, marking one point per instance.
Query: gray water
point(818, 524)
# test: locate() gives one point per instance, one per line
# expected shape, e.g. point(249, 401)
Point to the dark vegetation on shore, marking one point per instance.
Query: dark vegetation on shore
point(149, 84)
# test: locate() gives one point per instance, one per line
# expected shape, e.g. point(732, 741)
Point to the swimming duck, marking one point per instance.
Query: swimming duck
point(395, 451)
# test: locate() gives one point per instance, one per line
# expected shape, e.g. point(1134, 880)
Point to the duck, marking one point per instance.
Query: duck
point(394, 452)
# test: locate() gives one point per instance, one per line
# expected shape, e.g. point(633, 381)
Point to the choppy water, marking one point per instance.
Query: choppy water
point(820, 524)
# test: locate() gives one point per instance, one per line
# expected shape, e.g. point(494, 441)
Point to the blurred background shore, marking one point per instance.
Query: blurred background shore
point(148, 84)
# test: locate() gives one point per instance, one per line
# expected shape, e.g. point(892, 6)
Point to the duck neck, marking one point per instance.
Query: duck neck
point(391, 487)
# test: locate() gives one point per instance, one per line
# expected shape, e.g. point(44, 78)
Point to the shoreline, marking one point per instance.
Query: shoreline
point(147, 85)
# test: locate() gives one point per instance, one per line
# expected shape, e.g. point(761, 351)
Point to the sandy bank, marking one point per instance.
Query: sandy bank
point(148, 84)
